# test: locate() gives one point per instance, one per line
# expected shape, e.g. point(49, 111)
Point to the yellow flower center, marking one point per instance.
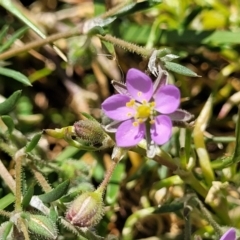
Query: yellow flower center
point(144, 111)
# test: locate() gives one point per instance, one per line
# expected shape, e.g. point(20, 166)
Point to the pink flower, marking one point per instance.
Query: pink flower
point(144, 110)
point(229, 235)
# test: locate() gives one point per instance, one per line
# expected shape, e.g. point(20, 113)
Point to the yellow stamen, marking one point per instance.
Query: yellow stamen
point(152, 104)
point(135, 124)
point(152, 121)
point(130, 103)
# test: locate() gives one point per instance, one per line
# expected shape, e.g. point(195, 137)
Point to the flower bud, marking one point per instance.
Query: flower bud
point(86, 210)
point(92, 134)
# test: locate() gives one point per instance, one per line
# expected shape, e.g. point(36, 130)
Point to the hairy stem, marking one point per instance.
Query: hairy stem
point(18, 171)
point(126, 45)
point(41, 180)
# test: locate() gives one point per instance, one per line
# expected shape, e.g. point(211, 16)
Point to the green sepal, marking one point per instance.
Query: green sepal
point(53, 215)
point(28, 195)
point(40, 225)
point(33, 143)
point(56, 193)
point(175, 67)
point(80, 189)
point(8, 122)
point(5, 230)
point(9, 104)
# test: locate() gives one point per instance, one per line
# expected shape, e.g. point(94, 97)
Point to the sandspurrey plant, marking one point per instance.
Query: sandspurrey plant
point(179, 182)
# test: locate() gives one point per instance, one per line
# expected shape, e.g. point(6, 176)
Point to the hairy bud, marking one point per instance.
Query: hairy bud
point(93, 134)
point(86, 210)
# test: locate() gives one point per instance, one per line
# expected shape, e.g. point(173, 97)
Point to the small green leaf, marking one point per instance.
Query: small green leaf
point(9, 104)
point(27, 197)
point(15, 75)
point(34, 141)
point(175, 67)
point(8, 122)
point(6, 201)
point(56, 193)
point(13, 38)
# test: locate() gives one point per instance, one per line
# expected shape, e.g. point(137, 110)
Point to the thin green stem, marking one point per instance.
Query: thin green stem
point(188, 227)
point(209, 217)
point(24, 229)
point(115, 9)
point(162, 157)
point(5, 213)
point(115, 161)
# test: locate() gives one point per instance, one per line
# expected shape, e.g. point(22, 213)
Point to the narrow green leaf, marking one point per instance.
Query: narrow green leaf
point(5, 229)
point(15, 75)
point(56, 193)
point(9, 104)
point(175, 67)
point(8, 122)
point(27, 197)
point(6, 201)
point(3, 32)
point(13, 38)
point(13, 8)
point(34, 141)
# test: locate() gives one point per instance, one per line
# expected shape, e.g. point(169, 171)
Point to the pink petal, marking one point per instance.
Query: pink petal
point(139, 85)
point(167, 99)
point(229, 235)
point(115, 107)
point(161, 130)
point(127, 135)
